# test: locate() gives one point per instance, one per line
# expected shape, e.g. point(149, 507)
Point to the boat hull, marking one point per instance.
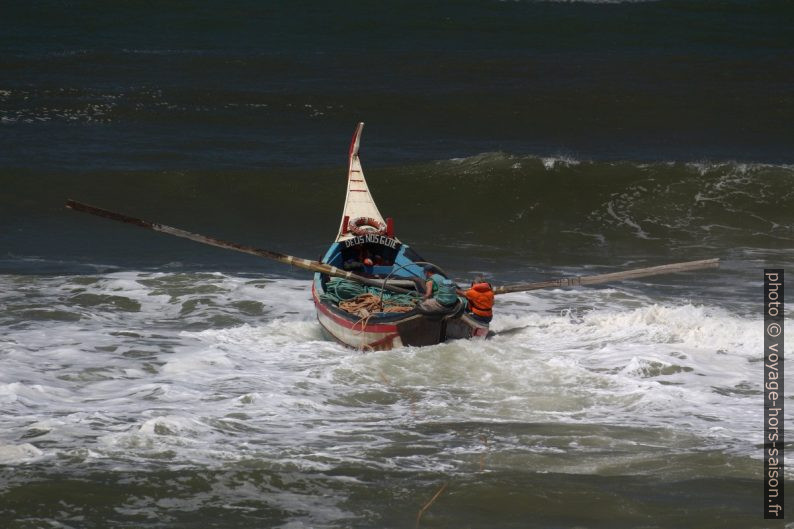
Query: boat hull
point(366, 243)
point(398, 330)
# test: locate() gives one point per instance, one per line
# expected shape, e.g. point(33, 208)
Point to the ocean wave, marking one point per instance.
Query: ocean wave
point(17, 454)
point(575, 381)
point(536, 208)
point(498, 159)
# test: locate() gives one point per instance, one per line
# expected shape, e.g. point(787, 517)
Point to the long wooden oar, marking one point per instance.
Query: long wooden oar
point(608, 278)
point(306, 264)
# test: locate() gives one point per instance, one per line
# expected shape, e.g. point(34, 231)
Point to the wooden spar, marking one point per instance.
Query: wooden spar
point(306, 264)
point(607, 278)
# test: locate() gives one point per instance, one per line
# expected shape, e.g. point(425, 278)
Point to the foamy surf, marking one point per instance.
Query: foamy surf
point(228, 373)
point(624, 361)
point(19, 454)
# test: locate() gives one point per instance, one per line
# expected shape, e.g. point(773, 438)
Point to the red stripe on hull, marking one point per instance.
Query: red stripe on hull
point(379, 336)
point(370, 327)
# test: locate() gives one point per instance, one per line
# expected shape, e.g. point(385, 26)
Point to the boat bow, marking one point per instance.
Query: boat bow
point(358, 201)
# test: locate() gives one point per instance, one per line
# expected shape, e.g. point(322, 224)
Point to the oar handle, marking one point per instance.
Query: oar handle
point(306, 264)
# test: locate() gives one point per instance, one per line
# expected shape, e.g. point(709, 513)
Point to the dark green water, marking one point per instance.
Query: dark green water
point(147, 382)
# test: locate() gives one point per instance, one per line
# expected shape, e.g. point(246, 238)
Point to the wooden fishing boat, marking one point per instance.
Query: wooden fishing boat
point(367, 287)
point(366, 243)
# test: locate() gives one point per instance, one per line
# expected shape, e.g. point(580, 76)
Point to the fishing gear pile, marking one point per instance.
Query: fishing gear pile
point(360, 300)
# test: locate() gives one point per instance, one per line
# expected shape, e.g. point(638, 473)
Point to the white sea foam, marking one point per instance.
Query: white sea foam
point(559, 161)
point(23, 453)
point(208, 368)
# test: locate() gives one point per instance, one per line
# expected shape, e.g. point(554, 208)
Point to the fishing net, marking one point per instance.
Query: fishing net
point(356, 298)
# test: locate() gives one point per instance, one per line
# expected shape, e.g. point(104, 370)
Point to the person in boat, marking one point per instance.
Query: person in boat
point(480, 299)
point(362, 263)
point(440, 294)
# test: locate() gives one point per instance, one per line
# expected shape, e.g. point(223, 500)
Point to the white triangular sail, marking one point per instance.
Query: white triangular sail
point(358, 202)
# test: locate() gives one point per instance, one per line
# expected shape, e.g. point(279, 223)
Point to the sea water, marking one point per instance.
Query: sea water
point(147, 381)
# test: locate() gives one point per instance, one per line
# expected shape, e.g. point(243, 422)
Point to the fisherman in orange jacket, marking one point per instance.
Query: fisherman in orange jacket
point(480, 297)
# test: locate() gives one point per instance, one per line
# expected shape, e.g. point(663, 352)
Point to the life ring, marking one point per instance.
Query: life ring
point(366, 225)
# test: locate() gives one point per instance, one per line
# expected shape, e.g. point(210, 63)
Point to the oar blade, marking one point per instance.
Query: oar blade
point(687, 266)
